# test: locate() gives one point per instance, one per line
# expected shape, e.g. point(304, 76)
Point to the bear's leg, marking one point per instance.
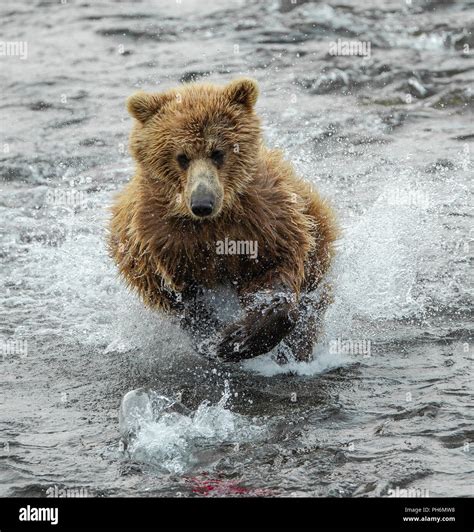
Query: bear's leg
point(264, 326)
point(298, 345)
point(200, 320)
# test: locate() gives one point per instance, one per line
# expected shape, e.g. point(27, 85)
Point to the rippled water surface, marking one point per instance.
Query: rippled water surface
point(387, 138)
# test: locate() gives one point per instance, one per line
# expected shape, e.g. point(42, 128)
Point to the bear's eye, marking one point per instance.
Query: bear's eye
point(217, 157)
point(183, 160)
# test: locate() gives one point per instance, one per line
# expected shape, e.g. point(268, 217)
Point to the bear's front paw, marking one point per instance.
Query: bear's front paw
point(260, 331)
point(235, 344)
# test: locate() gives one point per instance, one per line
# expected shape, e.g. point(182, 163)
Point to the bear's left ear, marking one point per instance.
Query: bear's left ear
point(143, 105)
point(243, 91)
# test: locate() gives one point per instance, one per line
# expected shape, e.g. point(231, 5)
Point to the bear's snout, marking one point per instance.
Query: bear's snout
point(204, 191)
point(203, 201)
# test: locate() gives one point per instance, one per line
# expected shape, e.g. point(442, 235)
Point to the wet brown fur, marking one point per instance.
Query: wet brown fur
point(162, 251)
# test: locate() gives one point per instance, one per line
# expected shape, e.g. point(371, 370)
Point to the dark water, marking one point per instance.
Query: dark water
point(387, 138)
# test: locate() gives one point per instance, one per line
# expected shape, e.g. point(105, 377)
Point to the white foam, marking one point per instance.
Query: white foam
point(378, 261)
point(171, 440)
point(323, 361)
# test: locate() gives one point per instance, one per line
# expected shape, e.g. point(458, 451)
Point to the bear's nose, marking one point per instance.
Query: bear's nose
point(202, 207)
point(202, 202)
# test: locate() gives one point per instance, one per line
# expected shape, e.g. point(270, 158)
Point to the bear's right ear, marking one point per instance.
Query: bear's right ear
point(243, 91)
point(143, 106)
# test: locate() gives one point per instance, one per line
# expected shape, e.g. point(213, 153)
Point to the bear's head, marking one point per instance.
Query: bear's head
point(197, 144)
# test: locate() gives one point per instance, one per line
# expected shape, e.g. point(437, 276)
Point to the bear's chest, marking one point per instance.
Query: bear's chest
point(226, 261)
point(212, 256)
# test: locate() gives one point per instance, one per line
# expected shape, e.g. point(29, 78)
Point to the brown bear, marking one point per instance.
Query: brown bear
point(209, 204)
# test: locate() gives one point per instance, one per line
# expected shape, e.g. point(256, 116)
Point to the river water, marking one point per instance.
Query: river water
point(386, 136)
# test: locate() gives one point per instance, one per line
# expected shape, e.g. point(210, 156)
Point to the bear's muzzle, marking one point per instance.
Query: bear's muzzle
point(204, 192)
point(203, 201)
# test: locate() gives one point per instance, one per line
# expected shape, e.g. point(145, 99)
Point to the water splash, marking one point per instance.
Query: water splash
point(163, 434)
point(379, 259)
